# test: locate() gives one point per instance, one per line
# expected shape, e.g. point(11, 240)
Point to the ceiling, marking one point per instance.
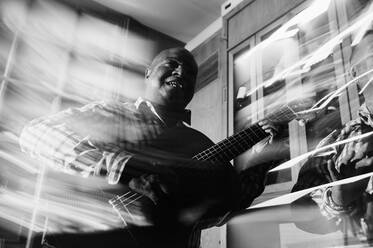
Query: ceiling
point(181, 19)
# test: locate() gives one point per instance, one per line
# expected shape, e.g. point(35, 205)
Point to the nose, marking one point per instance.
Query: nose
point(178, 71)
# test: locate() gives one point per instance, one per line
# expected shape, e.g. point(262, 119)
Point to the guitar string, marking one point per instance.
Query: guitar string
point(237, 140)
point(126, 209)
point(284, 113)
point(120, 198)
point(123, 200)
point(116, 198)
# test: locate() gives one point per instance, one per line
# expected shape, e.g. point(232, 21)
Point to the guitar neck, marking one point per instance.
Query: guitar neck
point(238, 143)
point(234, 145)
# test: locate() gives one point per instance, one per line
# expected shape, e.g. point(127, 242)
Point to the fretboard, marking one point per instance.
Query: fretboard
point(238, 143)
point(234, 145)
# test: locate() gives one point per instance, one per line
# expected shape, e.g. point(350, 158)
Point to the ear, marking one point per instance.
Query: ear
point(148, 71)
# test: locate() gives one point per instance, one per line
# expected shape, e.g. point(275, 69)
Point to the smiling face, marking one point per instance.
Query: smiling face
point(171, 78)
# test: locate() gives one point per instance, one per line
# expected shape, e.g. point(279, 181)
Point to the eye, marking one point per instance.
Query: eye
point(171, 64)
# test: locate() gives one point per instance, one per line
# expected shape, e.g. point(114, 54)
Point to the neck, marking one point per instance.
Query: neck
point(163, 108)
point(169, 114)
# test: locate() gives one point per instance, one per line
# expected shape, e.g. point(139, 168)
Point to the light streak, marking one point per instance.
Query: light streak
point(317, 8)
point(316, 56)
point(86, 215)
point(334, 94)
point(362, 30)
point(289, 198)
point(36, 200)
point(57, 91)
point(16, 161)
point(365, 86)
point(294, 161)
point(325, 50)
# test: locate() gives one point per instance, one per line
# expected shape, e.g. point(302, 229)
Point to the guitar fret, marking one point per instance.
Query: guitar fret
point(240, 145)
point(244, 140)
point(234, 145)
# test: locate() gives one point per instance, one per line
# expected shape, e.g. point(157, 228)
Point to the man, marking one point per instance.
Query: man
point(147, 145)
point(347, 205)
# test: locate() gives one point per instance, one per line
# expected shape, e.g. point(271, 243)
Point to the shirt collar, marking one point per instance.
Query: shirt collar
point(183, 116)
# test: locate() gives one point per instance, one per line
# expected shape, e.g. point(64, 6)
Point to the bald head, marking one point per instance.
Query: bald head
point(176, 52)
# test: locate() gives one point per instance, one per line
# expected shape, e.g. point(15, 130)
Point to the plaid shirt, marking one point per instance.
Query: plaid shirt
point(93, 139)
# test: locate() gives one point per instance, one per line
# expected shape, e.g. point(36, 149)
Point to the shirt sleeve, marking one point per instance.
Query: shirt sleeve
point(60, 142)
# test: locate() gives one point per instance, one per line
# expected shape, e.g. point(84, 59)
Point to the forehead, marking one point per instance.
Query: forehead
point(181, 56)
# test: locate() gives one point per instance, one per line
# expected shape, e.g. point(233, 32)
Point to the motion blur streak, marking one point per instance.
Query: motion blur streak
point(53, 57)
point(303, 65)
point(294, 161)
point(56, 57)
point(64, 214)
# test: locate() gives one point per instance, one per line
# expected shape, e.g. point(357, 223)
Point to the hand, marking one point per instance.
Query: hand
point(355, 157)
point(328, 140)
point(149, 186)
point(344, 194)
point(269, 128)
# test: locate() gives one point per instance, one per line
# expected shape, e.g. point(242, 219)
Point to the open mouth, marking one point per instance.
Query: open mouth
point(175, 84)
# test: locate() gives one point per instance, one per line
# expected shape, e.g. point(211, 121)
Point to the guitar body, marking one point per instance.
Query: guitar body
point(174, 147)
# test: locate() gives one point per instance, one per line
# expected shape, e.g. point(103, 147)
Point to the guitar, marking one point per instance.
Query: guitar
point(129, 205)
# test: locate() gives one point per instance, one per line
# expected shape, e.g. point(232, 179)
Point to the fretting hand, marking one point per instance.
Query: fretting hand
point(270, 128)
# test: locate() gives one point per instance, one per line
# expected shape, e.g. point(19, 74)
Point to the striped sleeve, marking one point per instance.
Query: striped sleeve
point(54, 142)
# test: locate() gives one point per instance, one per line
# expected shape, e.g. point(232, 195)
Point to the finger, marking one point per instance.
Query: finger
point(347, 154)
point(332, 170)
point(360, 150)
point(364, 163)
point(335, 134)
point(268, 130)
point(328, 139)
point(269, 126)
point(347, 129)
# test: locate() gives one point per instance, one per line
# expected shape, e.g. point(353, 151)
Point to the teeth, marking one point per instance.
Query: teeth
point(175, 84)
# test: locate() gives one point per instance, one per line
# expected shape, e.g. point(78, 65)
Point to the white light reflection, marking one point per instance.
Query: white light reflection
point(67, 208)
point(366, 85)
point(85, 53)
point(327, 99)
point(289, 198)
point(18, 162)
point(294, 161)
point(363, 29)
point(316, 56)
point(317, 8)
